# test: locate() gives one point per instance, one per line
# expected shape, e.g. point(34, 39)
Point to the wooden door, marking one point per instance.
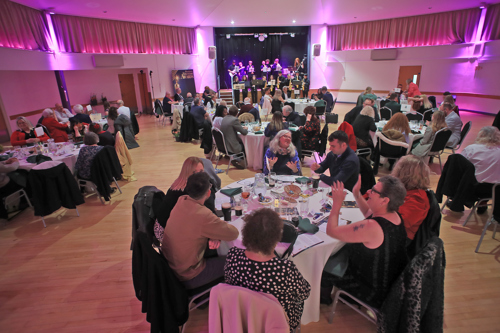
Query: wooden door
point(409, 72)
point(127, 89)
point(147, 103)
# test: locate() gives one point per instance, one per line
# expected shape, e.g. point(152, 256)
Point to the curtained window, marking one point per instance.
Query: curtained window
point(22, 27)
point(89, 35)
point(491, 28)
point(433, 29)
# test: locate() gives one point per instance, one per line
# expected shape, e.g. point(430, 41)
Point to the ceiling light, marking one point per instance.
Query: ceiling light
point(292, 34)
point(482, 5)
point(228, 36)
point(232, 22)
point(265, 35)
point(261, 38)
point(256, 35)
point(294, 21)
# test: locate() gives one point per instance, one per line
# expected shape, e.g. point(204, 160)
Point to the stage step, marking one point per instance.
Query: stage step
point(227, 95)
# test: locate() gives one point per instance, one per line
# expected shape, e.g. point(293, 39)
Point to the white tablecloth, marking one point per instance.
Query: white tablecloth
point(300, 105)
point(310, 262)
point(68, 159)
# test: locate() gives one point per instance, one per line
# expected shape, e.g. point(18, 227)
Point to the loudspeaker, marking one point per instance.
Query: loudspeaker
point(211, 52)
point(316, 50)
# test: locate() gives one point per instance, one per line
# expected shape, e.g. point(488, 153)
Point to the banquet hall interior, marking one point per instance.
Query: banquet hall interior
point(75, 275)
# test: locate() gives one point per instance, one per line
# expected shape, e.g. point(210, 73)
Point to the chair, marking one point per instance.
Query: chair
point(15, 197)
point(438, 144)
point(289, 236)
point(432, 99)
point(428, 115)
point(52, 186)
point(414, 116)
point(222, 149)
point(320, 111)
point(366, 173)
point(385, 113)
point(292, 104)
point(495, 215)
point(238, 309)
point(392, 150)
point(303, 119)
point(463, 134)
point(246, 117)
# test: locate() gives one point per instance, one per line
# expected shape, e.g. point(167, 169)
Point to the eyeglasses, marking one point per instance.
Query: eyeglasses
point(379, 193)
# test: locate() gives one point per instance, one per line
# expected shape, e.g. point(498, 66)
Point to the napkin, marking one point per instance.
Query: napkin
point(302, 179)
point(306, 226)
point(231, 192)
point(5, 157)
point(258, 132)
point(38, 159)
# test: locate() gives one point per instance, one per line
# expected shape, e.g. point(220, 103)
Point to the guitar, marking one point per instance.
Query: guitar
point(235, 71)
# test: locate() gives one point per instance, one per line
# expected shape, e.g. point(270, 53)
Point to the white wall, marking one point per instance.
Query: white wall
point(27, 80)
point(444, 68)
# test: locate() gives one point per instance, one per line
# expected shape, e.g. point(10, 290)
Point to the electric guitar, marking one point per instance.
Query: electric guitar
point(235, 71)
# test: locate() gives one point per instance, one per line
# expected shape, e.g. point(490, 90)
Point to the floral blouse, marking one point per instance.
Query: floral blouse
point(85, 159)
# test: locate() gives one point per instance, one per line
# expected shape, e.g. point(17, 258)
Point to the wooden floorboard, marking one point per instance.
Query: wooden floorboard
point(75, 275)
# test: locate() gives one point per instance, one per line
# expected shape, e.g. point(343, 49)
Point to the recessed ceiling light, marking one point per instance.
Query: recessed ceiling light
point(430, 7)
point(232, 22)
point(104, 11)
point(293, 21)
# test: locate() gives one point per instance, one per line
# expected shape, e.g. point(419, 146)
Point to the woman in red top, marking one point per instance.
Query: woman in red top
point(26, 134)
point(412, 89)
point(414, 174)
point(57, 131)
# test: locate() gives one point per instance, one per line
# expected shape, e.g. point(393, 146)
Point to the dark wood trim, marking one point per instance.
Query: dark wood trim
point(433, 93)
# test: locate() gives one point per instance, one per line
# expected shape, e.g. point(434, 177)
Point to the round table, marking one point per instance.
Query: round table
point(69, 159)
point(311, 261)
point(300, 105)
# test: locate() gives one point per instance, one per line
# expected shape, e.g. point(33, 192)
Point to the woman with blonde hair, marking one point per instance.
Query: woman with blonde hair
point(438, 122)
point(277, 102)
point(398, 128)
point(362, 126)
point(275, 125)
point(26, 134)
point(414, 173)
point(282, 156)
point(368, 93)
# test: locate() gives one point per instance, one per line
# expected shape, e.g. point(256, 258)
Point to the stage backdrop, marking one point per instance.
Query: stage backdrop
point(184, 79)
point(245, 48)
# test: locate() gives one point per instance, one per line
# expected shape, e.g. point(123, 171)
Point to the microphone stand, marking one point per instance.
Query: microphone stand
point(152, 88)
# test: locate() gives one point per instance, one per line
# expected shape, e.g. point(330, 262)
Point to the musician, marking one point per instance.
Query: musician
point(236, 92)
point(276, 67)
point(250, 69)
point(242, 70)
point(244, 80)
point(280, 81)
point(264, 69)
point(232, 68)
point(254, 89)
point(305, 86)
point(272, 87)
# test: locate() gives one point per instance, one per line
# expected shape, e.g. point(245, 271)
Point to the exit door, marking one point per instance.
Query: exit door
point(127, 89)
point(409, 72)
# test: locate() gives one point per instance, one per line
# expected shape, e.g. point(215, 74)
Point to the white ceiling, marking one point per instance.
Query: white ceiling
point(247, 13)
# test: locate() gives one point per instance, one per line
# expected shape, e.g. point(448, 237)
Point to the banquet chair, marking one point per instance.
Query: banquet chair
point(220, 144)
point(463, 134)
point(438, 144)
point(52, 186)
point(432, 99)
point(385, 113)
point(495, 215)
point(414, 116)
point(292, 104)
point(246, 116)
point(15, 197)
point(238, 309)
point(320, 111)
point(392, 150)
point(428, 115)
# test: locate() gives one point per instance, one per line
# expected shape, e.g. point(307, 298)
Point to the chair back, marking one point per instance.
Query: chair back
point(158, 107)
point(292, 104)
point(428, 115)
point(463, 134)
point(320, 110)
point(238, 309)
point(105, 167)
point(389, 148)
point(303, 119)
point(323, 138)
point(367, 175)
point(289, 236)
point(246, 116)
point(383, 102)
point(414, 116)
point(219, 140)
point(432, 99)
point(439, 142)
point(385, 113)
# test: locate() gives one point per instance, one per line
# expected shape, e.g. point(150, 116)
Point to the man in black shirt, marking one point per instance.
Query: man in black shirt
point(393, 103)
point(306, 83)
point(178, 97)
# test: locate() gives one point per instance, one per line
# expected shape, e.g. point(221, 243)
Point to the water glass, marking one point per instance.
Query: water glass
point(279, 184)
point(272, 179)
point(304, 206)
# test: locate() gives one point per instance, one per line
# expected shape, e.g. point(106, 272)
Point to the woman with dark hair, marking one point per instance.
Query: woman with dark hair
point(123, 124)
point(87, 155)
point(78, 129)
point(105, 138)
point(376, 246)
point(275, 125)
point(220, 113)
point(257, 268)
point(282, 156)
point(311, 129)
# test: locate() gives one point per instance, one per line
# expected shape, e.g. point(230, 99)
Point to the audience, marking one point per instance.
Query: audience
point(454, 123)
point(220, 113)
point(291, 117)
point(275, 125)
point(422, 147)
point(198, 112)
point(376, 246)
point(277, 102)
point(311, 129)
point(416, 106)
point(414, 173)
point(398, 128)
point(78, 129)
point(122, 109)
point(62, 114)
point(393, 103)
point(80, 114)
point(189, 99)
point(57, 131)
point(122, 123)
point(167, 103)
point(257, 268)
point(362, 126)
point(351, 116)
point(189, 229)
point(341, 161)
point(7, 185)
point(282, 156)
point(87, 155)
point(247, 106)
point(230, 127)
point(105, 138)
point(207, 96)
point(328, 98)
point(25, 134)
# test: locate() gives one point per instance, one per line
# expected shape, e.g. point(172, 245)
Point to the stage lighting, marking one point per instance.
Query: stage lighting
point(228, 36)
point(265, 35)
point(482, 5)
point(261, 38)
point(256, 35)
point(292, 34)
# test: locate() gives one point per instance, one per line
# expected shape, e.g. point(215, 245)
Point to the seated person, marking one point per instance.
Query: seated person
point(247, 106)
point(282, 156)
point(190, 228)
point(422, 147)
point(448, 98)
point(275, 125)
point(220, 113)
point(291, 117)
point(78, 129)
point(246, 268)
point(230, 127)
point(414, 173)
point(454, 123)
point(57, 131)
point(376, 245)
point(190, 166)
point(342, 162)
point(353, 114)
point(80, 114)
point(484, 153)
point(7, 186)
point(87, 155)
point(277, 101)
point(393, 103)
point(311, 129)
point(416, 107)
point(26, 134)
point(398, 128)
point(62, 114)
point(362, 126)
point(198, 112)
point(368, 93)
point(256, 114)
point(328, 98)
point(105, 138)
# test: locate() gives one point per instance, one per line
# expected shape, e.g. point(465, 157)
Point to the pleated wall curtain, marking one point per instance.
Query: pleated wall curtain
point(491, 28)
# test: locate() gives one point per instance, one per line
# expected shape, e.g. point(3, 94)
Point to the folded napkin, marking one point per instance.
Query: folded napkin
point(231, 192)
point(258, 132)
point(302, 179)
point(38, 159)
point(6, 156)
point(306, 226)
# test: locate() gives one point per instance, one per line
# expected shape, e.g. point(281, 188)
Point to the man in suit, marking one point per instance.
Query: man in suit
point(393, 103)
point(290, 115)
point(230, 126)
point(328, 98)
point(342, 162)
point(454, 123)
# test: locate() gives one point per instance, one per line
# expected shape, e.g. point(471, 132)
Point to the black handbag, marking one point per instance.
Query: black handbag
point(331, 118)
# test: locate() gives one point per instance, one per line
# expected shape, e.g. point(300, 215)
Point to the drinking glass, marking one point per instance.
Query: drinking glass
point(279, 184)
point(272, 179)
point(245, 196)
point(304, 206)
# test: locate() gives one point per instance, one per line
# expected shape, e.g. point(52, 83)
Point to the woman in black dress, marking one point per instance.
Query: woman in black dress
point(376, 246)
point(277, 102)
point(362, 126)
